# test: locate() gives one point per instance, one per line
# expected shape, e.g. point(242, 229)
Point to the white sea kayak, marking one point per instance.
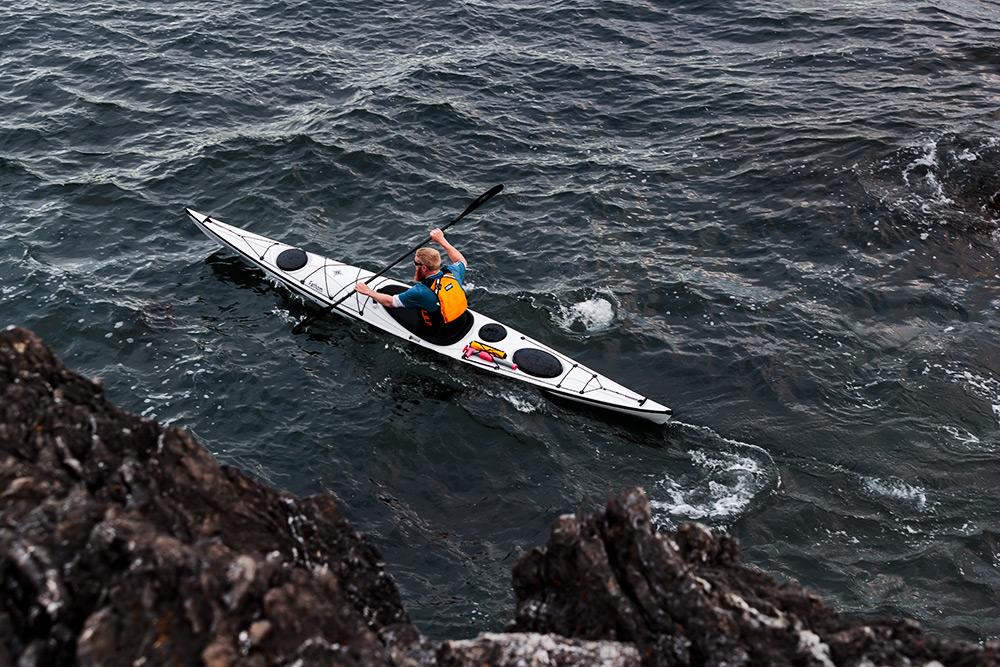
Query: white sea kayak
point(477, 340)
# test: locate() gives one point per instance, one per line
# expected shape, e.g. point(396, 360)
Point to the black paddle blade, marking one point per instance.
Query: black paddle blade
point(482, 199)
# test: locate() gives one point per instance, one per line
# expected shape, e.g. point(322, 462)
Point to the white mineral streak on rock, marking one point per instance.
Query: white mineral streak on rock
point(17, 486)
point(539, 650)
point(68, 458)
point(243, 568)
point(295, 522)
point(780, 623)
point(35, 562)
point(809, 641)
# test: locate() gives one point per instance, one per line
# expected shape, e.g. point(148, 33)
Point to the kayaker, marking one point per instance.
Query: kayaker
point(437, 291)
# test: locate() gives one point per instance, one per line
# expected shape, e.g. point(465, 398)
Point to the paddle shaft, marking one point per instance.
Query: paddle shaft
point(476, 203)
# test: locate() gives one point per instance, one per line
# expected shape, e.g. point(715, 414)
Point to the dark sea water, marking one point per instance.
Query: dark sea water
point(771, 216)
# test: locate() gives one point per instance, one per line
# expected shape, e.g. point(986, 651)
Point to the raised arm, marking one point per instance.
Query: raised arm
point(453, 254)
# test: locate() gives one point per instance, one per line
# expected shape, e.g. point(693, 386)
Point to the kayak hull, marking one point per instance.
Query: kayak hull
point(323, 282)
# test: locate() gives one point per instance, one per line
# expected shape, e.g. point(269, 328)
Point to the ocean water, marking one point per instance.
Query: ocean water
point(777, 218)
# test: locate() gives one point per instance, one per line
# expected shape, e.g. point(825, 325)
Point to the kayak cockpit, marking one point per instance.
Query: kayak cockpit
point(410, 319)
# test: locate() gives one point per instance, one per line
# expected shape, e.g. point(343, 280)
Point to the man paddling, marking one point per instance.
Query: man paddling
point(437, 291)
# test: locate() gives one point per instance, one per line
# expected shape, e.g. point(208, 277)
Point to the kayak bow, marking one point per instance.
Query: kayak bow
point(480, 341)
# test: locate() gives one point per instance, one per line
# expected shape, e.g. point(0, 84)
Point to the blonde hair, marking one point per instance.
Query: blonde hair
point(430, 258)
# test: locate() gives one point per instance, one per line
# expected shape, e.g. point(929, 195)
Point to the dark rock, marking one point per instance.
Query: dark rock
point(686, 600)
point(122, 540)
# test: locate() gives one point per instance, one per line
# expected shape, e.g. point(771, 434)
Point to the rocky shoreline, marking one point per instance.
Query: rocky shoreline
point(125, 543)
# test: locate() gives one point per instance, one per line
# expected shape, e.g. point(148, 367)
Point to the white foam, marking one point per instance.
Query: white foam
point(732, 478)
point(720, 501)
point(520, 403)
point(928, 159)
point(593, 314)
point(737, 481)
point(987, 388)
point(728, 441)
point(961, 435)
point(284, 315)
point(898, 489)
point(732, 465)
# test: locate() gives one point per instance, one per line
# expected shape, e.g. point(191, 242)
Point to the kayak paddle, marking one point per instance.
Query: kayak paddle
point(476, 203)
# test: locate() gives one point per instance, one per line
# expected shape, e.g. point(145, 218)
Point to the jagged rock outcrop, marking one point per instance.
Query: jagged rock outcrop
point(121, 540)
point(687, 600)
point(126, 543)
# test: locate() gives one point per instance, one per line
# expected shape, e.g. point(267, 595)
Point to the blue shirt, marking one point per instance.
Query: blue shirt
point(421, 296)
